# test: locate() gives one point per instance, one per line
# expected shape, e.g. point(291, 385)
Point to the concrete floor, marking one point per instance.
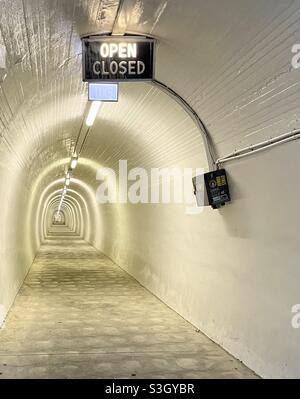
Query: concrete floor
point(78, 315)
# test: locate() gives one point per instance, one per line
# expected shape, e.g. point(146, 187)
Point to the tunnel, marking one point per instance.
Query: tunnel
point(153, 287)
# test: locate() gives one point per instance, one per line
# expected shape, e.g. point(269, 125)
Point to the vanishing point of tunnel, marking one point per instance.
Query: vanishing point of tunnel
point(149, 185)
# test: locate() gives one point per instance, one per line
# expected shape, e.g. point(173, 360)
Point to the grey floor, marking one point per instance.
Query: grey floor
point(78, 315)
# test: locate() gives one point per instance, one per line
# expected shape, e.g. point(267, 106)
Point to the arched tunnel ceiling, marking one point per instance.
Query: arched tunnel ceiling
point(231, 61)
point(221, 60)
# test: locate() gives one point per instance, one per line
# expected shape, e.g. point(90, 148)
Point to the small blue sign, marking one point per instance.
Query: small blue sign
point(103, 92)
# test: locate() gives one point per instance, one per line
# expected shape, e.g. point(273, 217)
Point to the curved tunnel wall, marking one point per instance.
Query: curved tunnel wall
point(231, 273)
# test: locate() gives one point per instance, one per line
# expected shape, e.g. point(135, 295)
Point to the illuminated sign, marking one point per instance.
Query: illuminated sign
point(103, 92)
point(115, 59)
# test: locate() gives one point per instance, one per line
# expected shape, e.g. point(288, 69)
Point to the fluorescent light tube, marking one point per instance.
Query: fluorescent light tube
point(74, 163)
point(93, 113)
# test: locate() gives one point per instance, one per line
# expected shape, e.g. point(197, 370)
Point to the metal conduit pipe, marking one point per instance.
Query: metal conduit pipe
point(264, 145)
point(207, 140)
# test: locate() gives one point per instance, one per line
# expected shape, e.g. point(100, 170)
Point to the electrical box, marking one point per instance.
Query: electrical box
point(217, 188)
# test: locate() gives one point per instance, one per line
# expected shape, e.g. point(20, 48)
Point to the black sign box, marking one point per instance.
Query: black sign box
point(116, 59)
point(217, 188)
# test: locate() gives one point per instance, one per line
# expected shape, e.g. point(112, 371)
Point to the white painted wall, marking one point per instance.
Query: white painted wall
point(17, 248)
point(233, 273)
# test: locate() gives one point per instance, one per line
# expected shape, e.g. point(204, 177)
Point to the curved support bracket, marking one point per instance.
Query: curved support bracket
point(207, 140)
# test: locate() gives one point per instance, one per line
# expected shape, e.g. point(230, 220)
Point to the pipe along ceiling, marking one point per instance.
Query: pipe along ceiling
point(233, 273)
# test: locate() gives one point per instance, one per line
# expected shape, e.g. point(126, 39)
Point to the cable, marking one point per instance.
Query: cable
point(208, 143)
point(78, 136)
point(120, 6)
point(84, 141)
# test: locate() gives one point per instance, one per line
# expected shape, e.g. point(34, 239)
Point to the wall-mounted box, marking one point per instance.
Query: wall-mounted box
point(217, 188)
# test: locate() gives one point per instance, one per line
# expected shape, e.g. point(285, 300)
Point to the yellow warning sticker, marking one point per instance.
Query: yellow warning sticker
point(221, 181)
